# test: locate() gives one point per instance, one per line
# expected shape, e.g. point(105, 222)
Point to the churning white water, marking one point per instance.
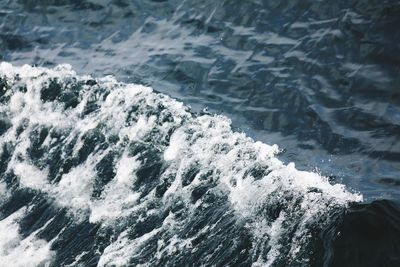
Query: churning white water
point(159, 183)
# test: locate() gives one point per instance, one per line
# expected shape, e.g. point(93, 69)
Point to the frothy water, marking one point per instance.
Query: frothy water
point(98, 172)
point(319, 78)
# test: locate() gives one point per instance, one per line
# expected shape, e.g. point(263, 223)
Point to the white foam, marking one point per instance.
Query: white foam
point(119, 252)
point(175, 144)
point(75, 187)
point(30, 176)
point(206, 142)
point(118, 199)
point(18, 251)
point(4, 193)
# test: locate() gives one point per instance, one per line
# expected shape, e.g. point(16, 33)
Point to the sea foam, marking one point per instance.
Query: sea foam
point(159, 183)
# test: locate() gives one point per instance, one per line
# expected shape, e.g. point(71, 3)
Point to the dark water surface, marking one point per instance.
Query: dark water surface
point(319, 78)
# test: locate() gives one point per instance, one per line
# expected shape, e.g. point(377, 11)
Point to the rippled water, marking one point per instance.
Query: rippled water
point(318, 78)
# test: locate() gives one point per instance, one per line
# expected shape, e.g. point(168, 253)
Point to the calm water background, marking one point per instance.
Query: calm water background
point(319, 78)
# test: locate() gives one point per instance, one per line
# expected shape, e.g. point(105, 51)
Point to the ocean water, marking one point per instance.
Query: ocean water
point(199, 133)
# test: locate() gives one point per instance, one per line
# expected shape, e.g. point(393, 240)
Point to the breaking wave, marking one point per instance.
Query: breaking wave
point(95, 172)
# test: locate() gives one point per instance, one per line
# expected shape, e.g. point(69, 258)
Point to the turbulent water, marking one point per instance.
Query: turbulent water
point(318, 78)
point(108, 157)
point(106, 173)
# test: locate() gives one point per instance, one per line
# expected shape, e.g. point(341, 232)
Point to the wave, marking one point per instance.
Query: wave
point(367, 235)
point(102, 173)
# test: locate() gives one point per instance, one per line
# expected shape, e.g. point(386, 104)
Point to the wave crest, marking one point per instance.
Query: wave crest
point(151, 182)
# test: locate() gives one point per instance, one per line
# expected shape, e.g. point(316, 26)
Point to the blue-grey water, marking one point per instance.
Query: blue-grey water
point(318, 78)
